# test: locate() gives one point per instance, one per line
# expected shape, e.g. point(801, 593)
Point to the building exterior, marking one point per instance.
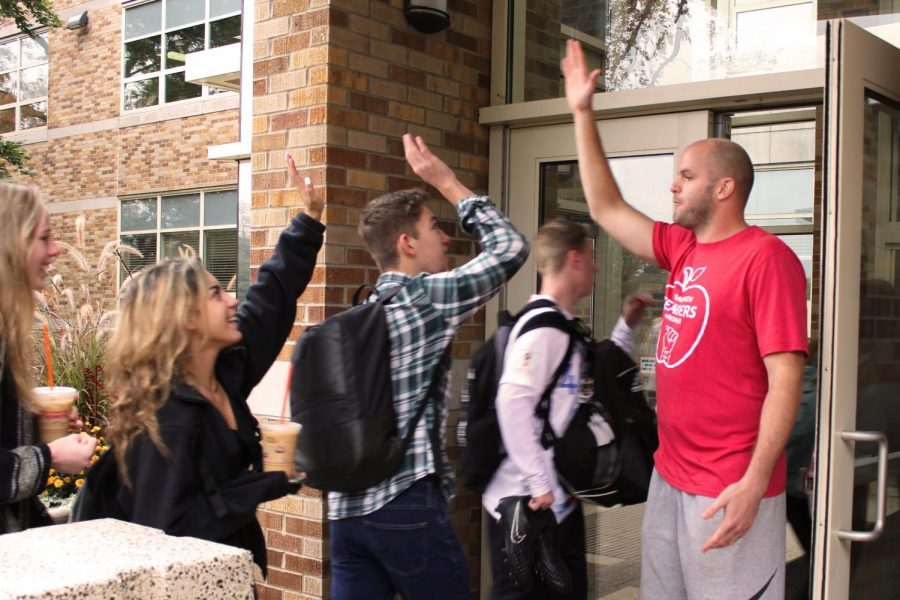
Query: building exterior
point(165, 123)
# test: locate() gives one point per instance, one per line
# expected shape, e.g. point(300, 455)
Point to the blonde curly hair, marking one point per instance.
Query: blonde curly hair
point(148, 349)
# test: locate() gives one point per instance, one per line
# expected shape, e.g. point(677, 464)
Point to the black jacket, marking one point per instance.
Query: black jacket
point(212, 481)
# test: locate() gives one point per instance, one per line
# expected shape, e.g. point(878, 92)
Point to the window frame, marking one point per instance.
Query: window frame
point(160, 74)
point(201, 227)
point(19, 102)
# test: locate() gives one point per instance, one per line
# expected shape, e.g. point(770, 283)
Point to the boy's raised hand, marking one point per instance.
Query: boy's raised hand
point(315, 204)
point(433, 170)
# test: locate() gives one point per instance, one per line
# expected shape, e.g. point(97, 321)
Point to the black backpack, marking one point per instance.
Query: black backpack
point(592, 469)
point(603, 472)
point(478, 433)
point(342, 397)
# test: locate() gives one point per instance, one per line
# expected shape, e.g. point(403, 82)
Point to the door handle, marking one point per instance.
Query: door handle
point(881, 500)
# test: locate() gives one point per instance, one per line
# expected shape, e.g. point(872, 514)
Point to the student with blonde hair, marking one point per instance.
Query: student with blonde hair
point(182, 362)
point(27, 250)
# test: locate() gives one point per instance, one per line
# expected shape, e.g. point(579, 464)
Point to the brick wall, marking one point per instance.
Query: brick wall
point(85, 68)
point(338, 86)
point(96, 158)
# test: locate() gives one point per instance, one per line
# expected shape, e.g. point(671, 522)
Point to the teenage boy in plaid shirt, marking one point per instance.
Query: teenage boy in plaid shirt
point(396, 536)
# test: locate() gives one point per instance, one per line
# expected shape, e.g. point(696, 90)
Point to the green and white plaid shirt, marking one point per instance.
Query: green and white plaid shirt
point(422, 319)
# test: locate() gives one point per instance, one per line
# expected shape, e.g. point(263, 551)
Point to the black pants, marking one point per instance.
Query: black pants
point(571, 546)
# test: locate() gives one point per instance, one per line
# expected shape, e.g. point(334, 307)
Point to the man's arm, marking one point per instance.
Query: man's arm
point(741, 500)
point(459, 292)
point(623, 222)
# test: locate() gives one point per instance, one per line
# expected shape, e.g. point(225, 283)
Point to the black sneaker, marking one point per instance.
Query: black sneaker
point(519, 539)
point(549, 564)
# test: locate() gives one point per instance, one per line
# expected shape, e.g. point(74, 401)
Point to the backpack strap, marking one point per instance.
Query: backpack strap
point(557, 320)
point(433, 433)
point(384, 298)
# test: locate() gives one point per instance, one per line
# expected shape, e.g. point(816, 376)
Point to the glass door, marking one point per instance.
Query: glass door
point(544, 185)
point(857, 550)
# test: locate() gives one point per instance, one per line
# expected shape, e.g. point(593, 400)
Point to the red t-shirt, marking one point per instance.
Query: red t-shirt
point(728, 304)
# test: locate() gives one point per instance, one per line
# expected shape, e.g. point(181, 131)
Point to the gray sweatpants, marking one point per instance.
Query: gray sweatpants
point(673, 568)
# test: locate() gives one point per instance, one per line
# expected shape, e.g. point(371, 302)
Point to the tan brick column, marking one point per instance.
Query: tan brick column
point(338, 84)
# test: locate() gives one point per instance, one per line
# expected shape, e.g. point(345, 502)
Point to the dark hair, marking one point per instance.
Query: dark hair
point(553, 242)
point(385, 218)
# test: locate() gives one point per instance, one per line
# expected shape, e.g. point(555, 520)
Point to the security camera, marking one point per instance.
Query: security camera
point(77, 21)
point(428, 16)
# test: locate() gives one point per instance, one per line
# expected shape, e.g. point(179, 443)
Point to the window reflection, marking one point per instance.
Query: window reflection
point(23, 83)
point(159, 35)
point(659, 42)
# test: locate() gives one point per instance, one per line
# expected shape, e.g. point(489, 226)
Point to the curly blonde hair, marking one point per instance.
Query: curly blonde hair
point(148, 349)
point(21, 211)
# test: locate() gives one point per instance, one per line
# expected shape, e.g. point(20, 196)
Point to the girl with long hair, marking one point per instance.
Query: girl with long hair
point(27, 250)
point(182, 361)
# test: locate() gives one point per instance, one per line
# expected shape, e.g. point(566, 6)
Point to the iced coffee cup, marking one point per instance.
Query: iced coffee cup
point(279, 439)
point(54, 406)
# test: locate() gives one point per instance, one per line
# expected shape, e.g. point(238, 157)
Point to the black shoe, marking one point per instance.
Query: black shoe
point(519, 539)
point(549, 564)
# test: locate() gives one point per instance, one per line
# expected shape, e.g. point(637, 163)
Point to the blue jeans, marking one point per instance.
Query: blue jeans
point(408, 547)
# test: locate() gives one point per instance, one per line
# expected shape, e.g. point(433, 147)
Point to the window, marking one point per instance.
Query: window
point(156, 37)
point(160, 226)
point(23, 83)
point(781, 144)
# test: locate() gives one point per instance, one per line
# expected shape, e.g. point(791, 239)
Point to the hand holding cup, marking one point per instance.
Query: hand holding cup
point(72, 453)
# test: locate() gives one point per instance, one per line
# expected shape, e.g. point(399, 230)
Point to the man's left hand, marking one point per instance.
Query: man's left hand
point(740, 501)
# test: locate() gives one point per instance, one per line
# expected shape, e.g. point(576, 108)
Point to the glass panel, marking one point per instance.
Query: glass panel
point(181, 42)
point(180, 211)
point(220, 208)
point(613, 534)
point(139, 94)
point(223, 7)
point(8, 88)
point(145, 243)
point(775, 39)
point(33, 82)
point(873, 572)
point(34, 51)
point(178, 243)
point(224, 32)
point(7, 120)
point(181, 12)
point(220, 255)
point(138, 214)
point(143, 20)
point(33, 115)
point(802, 245)
point(781, 192)
point(658, 42)
point(9, 55)
point(142, 56)
point(178, 89)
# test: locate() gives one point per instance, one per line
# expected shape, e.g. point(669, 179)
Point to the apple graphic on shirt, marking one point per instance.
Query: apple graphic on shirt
point(685, 315)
